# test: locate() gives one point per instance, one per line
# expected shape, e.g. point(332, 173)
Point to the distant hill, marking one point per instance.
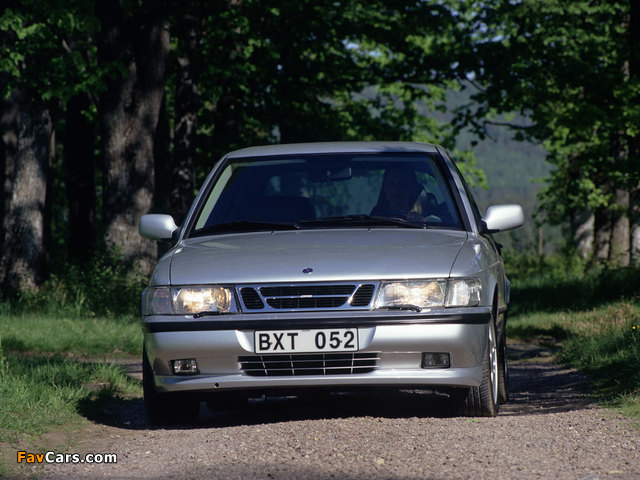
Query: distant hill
point(515, 173)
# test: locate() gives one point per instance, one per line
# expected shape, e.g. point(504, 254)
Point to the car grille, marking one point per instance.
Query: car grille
point(306, 297)
point(309, 364)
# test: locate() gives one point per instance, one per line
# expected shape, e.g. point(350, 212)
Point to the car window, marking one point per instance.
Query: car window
point(298, 189)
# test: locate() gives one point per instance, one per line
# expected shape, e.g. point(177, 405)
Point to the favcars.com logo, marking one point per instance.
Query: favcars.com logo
point(53, 457)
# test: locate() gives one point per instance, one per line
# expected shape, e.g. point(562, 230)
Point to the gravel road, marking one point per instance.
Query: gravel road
point(551, 429)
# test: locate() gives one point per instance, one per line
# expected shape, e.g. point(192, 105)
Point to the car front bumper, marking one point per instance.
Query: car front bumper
point(396, 339)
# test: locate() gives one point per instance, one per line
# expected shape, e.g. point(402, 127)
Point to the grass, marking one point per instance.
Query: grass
point(590, 315)
point(51, 364)
point(69, 335)
point(53, 375)
point(53, 345)
point(41, 393)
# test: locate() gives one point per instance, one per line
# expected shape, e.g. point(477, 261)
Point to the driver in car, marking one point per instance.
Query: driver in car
point(401, 195)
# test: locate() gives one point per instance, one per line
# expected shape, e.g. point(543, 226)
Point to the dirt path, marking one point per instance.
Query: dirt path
point(551, 429)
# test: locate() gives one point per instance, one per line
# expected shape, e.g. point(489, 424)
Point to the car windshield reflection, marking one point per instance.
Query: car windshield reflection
point(328, 191)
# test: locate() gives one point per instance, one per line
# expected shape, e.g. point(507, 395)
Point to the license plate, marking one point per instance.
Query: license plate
point(306, 341)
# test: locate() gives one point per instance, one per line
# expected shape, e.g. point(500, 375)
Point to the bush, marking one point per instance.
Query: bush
point(103, 287)
point(546, 284)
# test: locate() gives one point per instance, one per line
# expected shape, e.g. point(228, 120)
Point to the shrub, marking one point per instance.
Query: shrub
point(103, 287)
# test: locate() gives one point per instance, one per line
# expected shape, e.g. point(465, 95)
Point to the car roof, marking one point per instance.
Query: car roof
point(333, 147)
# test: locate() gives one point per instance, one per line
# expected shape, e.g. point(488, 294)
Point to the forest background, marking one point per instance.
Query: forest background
point(111, 110)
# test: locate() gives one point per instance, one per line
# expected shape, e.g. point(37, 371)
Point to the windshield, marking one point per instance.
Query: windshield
point(328, 191)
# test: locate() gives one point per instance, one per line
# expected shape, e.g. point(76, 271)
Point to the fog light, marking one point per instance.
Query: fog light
point(185, 366)
point(435, 360)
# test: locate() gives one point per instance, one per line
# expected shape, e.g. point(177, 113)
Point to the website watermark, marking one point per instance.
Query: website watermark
point(53, 457)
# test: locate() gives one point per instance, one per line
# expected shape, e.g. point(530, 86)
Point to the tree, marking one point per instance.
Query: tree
point(311, 71)
point(135, 40)
point(79, 145)
point(235, 73)
point(22, 266)
point(567, 67)
point(32, 41)
point(188, 101)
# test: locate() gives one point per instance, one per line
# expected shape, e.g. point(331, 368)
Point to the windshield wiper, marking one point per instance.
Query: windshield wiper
point(207, 314)
point(362, 220)
point(244, 226)
point(403, 306)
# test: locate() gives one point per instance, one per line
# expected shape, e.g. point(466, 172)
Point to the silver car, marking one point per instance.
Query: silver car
point(328, 265)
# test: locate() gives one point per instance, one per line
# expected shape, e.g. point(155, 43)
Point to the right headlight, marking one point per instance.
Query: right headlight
point(189, 300)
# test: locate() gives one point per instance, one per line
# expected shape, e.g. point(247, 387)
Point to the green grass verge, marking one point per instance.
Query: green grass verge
point(79, 336)
point(592, 318)
point(51, 364)
point(53, 376)
point(41, 393)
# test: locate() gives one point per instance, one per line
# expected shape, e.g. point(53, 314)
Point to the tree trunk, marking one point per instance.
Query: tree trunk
point(9, 131)
point(635, 227)
point(23, 262)
point(634, 141)
point(187, 105)
point(162, 162)
point(582, 228)
point(602, 234)
point(129, 111)
point(79, 171)
point(619, 249)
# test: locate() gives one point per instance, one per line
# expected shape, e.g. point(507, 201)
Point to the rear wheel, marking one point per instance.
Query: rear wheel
point(165, 408)
point(482, 401)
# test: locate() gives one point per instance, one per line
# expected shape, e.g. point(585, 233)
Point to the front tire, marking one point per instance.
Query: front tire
point(503, 372)
point(482, 401)
point(165, 408)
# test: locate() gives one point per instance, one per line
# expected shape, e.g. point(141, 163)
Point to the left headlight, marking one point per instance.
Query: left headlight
point(458, 292)
point(189, 300)
point(422, 294)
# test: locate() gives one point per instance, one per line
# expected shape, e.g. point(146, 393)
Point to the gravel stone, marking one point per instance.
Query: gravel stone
point(550, 429)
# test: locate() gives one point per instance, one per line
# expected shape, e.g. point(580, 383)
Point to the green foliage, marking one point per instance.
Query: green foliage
point(102, 288)
point(567, 67)
point(548, 284)
point(45, 48)
point(314, 71)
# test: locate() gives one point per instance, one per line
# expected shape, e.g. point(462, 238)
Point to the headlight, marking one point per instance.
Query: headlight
point(465, 292)
point(421, 294)
point(189, 300)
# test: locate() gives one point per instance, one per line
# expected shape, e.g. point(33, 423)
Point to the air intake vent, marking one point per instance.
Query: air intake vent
point(251, 299)
point(307, 290)
point(310, 364)
point(363, 295)
point(306, 296)
point(317, 302)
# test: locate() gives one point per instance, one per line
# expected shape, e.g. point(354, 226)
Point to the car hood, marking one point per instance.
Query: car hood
point(327, 255)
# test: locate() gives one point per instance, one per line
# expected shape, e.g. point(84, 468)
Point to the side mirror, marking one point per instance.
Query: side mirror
point(503, 217)
point(157, 227)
